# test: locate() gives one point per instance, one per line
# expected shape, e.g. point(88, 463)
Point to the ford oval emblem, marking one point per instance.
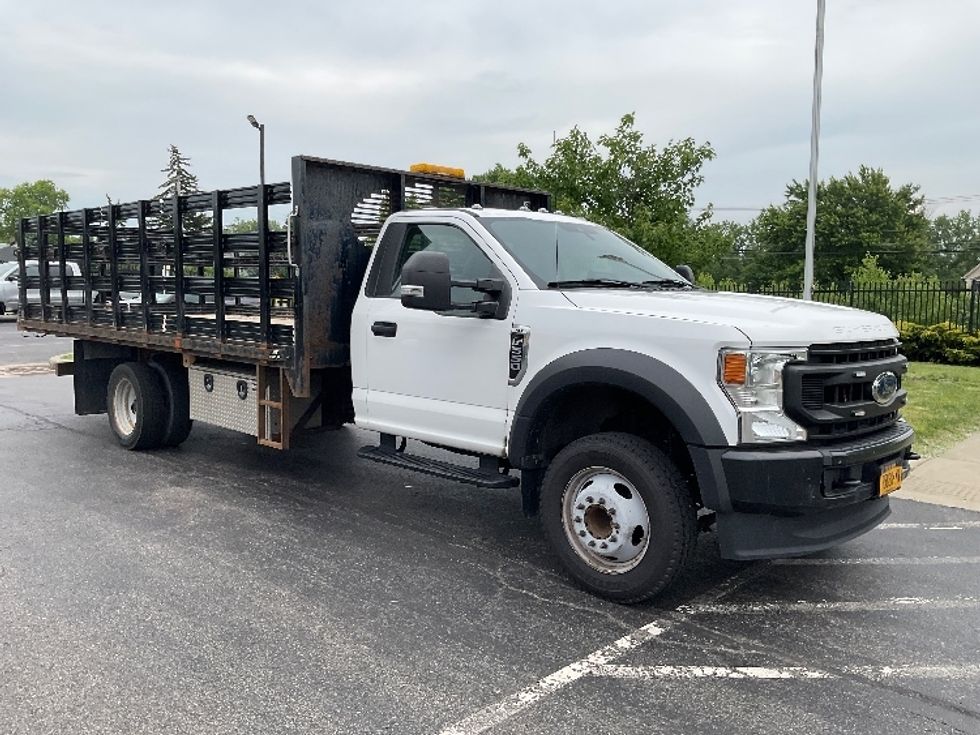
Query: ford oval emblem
point(884, 388)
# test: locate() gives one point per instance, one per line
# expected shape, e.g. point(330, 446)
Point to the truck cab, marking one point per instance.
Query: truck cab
point(570, 353)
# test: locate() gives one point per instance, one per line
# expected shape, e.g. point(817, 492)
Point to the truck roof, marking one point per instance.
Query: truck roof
point(490, 212)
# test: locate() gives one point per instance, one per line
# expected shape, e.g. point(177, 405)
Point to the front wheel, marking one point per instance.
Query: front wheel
point(619, 515)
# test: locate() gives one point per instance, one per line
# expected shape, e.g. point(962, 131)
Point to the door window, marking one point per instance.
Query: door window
point(466, 260)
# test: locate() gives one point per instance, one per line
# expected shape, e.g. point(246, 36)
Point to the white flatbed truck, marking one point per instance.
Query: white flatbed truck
point(631, 407)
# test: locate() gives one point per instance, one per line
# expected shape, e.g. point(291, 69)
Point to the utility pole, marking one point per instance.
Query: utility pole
point(261, 128)
point(811, 200)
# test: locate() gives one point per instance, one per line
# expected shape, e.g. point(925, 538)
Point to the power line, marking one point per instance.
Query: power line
point(848, 256)
point(952, 198)
point(740, 208)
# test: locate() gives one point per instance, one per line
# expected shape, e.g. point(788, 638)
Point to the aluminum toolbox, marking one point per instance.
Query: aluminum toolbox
point(226, 398)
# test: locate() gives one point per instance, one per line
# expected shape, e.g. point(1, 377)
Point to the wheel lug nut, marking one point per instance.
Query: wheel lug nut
point(591, 543)
point(602, 501)
point(589, 499)
point(612, 511)
point(616, 526)
point(578, 519)
point(613, 539)
point(580, 506)
point(603, 545)
point(581, 533)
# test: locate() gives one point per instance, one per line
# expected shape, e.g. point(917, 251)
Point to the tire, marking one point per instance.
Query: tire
point(137, 406)
point(177, 393)
point(600, 483)
point(3, 308)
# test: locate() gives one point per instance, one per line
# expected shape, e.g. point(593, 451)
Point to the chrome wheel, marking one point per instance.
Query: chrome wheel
point(124, 406)
point(605, 520)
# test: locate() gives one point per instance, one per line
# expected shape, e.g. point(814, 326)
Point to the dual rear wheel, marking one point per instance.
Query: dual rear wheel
point(149, 404)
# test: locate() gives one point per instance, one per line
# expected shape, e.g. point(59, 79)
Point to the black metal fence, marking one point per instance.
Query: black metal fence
point(924, 302)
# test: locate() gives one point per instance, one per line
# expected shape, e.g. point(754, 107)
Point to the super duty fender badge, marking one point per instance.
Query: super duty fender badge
point(517, 356)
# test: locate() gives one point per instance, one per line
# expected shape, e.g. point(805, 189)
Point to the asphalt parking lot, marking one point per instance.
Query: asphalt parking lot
point(27, 347)
point(222, 588)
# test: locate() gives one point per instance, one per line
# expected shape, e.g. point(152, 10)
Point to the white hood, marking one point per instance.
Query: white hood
point(765, 320)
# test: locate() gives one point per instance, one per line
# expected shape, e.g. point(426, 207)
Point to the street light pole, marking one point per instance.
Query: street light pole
point(261, 128)
point(811, 200)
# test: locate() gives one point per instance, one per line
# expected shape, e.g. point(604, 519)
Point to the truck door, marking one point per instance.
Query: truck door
point(436, 376)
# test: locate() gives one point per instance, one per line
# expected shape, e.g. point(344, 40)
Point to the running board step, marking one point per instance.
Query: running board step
point(445, 470)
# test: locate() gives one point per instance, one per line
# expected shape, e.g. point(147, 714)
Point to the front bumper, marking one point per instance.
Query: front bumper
point(797, 500)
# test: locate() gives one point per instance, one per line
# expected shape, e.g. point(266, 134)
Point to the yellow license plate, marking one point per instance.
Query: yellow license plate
point(890, 480)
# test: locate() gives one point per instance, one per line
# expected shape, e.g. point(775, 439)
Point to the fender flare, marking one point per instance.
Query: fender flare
point(663, 386)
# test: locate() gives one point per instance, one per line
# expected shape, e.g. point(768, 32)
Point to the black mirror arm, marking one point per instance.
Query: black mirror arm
point(483, 285)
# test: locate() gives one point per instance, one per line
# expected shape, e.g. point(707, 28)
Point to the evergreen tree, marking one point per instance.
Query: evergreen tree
point(179, 181)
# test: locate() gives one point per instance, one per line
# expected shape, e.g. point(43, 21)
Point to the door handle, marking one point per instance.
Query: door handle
point(384, 329)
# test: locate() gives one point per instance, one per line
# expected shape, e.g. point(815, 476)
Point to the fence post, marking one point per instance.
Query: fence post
point(973, 307)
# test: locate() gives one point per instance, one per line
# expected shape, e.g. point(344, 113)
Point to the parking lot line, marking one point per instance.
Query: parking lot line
point(934, 526)
point(886, 560)
point(877, 673)
point(512, 705)
point(503, 710)
point(893, 603)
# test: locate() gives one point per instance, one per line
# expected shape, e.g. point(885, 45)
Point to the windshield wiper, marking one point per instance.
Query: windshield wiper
point(668, 283)
point(617, 283)
point(594, 283)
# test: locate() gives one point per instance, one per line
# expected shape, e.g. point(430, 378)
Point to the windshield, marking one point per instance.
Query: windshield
point(569, 254)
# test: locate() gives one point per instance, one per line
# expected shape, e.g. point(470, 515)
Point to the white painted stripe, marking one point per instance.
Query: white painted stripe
point(506, 708)
point(894, 603)
point(709, 672)
point(911, 671)
point(934, 526)
point(501, 711)
point(885, 560)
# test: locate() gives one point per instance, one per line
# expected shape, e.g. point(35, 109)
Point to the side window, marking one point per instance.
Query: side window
point(466, 260)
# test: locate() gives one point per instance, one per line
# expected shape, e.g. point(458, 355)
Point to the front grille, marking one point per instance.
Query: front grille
point(842, 353)
point(830, 394)
point(846, 429)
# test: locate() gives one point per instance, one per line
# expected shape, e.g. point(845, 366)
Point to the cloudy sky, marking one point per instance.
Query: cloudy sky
point(92, 93)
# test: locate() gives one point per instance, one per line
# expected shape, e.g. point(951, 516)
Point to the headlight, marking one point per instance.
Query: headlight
point(753, 380)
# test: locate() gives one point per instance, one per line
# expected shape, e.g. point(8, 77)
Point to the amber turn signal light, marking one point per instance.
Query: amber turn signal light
point(733, 368)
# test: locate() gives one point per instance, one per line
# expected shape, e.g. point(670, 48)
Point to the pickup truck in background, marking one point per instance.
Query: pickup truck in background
point(10, 290)
point(632, 408)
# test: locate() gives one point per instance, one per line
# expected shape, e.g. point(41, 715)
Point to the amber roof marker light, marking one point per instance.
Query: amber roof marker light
point(435, 168)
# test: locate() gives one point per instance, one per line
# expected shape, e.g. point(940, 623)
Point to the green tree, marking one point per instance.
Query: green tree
point(956, 244)
point(857, 214)
point(28, 200)
point(244, 226)
point(734, 244)
point(641, 191)
point(179, 181)
point(870, 272)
